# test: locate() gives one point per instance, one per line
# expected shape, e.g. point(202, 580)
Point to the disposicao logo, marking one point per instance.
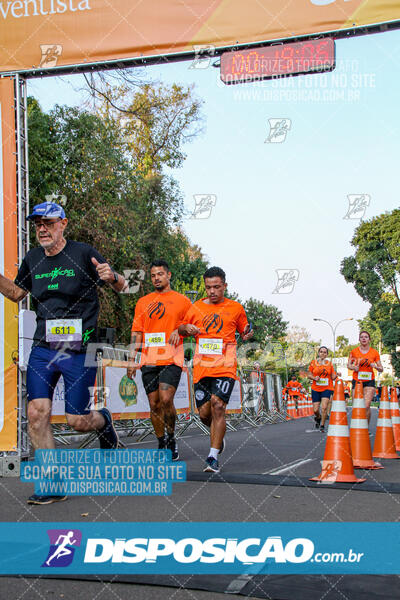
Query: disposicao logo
point(190, 550)
point(62, 547)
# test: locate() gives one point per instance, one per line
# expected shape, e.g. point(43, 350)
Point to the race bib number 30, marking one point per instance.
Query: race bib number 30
point(154, 339)
point(210, 346)
point(364, 375)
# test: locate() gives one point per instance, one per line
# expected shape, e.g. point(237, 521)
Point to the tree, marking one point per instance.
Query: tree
point(129, 218)
point(155, 120)
point(374, 271)
point(341, 342)
point(266, 320)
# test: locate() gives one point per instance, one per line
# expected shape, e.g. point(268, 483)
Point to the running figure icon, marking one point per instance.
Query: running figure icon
point(62, 549)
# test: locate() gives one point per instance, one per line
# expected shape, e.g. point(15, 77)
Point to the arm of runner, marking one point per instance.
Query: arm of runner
point(247, 333)
point(311, 376)
point(11, 290)
point(243, 326)
point(107, 274)
point(188, 329)
point(377, 365)
point(136, 344)
point(353, 363)
point(174, 338)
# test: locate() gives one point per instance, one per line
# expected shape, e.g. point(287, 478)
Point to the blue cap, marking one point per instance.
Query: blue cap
point(47, 210)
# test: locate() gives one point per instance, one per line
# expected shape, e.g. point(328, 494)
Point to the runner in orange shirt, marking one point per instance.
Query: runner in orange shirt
point(214, 321)
point(362, 361)
point(155, 332)
point(294, 388)
point(322, 375)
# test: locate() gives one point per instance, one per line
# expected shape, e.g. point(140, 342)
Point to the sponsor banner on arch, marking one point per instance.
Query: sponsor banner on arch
point(43, 34)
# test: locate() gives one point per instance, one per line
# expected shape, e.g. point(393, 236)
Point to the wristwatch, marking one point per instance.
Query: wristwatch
point(115, 276)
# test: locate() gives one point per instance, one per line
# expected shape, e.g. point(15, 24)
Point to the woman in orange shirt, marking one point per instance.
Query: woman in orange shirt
point(362, 361)
point(322, 374)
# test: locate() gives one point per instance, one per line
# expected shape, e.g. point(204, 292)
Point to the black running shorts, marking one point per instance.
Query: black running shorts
point(370, 383)
point(153, 376)
point(213, 386)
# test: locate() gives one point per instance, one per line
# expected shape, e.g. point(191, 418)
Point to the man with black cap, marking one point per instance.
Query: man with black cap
point(62, 277)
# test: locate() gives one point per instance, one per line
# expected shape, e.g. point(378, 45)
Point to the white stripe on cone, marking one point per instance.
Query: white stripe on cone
point(338, 430)
point(359, 424)
point(384, 423)
point(358, 403)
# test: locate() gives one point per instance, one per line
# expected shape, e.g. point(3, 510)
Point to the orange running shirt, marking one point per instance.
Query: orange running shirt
point(326, 372)
point(294, 387)
point(156, 317)
point(215, 354)
point(364, 360)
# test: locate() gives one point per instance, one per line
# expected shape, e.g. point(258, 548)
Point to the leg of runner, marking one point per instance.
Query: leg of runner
point(369, 393)
point(218, 422)
point(79, 380)
point(166, 394)
point(324, 410)
point(317, 414)
point(316, 400)
point(40, 431)
point(157, 417)
point(206, 416)
point(95, 420)
point(329, 407)
point(205, 413)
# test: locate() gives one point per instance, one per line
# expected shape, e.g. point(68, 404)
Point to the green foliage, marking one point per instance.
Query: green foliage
point(266, 319)
point(155, 120)
point(374, 270)
point(129, 218)
point(196, 285)
point(375, 267)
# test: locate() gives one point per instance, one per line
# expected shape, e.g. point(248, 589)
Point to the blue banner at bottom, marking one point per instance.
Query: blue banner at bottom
point(199, 548)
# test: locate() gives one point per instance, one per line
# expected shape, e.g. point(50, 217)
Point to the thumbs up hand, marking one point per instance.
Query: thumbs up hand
point(104, 271)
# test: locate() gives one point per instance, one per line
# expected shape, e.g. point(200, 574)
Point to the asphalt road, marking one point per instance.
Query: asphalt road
point(270, 456)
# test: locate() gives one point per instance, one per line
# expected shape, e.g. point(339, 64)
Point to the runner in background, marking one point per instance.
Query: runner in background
point(155, 333)
point(257, 378)
point(322, 375)
point(214, 321)
point(346, 390)
point(362, 361)
point(294, 388)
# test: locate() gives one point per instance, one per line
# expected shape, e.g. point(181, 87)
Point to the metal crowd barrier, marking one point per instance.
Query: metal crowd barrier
point(261, 403)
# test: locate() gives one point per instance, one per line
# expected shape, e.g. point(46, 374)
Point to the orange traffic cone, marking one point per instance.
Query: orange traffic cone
point(395, 414)
point(359, 435)
point(384, 446)
point(310, 406)
point(291, 408)
point(300, 404)
point(338, 463)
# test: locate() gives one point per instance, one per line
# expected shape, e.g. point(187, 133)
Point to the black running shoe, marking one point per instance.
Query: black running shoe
point(36, 499)
point(322, 428)
point(317, 422)
point(108, 436)
point(173, 446)
point(211, 465)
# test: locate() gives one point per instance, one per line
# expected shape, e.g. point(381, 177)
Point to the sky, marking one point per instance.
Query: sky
point(278, 210)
